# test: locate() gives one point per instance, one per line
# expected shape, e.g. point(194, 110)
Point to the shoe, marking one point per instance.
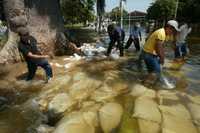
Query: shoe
point(167, 85)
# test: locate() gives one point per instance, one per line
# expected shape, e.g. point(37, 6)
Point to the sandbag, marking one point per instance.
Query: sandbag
point(177, 110)
point(82, 89)
point(77, 123)
point(60, 103)
point(137, 90)
point(148, 126)
point(147, 109)
point(168, 97)
point(173, 124)
point(194, 99)
point(110, 116)
point(104, 93)
point(140, 90)
point(195, 112)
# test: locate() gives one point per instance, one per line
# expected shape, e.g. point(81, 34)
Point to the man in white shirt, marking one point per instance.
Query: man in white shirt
point(181, 44)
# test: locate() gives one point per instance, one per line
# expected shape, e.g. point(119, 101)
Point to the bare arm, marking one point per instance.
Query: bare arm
point(160, 51)
point(35, 56)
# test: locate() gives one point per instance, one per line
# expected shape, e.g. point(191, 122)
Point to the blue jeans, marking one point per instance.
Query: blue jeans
point(180, 50)
point(32, 67)
point(152, 62)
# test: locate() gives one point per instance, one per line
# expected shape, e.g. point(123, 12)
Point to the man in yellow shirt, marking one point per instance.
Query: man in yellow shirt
point(153, 50)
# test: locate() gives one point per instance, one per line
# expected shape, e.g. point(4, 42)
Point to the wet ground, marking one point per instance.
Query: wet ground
point(97, 82)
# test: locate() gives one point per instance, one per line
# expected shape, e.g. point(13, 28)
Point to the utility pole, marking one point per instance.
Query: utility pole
point(121, 12)
point(177, 3)
point(129, 25)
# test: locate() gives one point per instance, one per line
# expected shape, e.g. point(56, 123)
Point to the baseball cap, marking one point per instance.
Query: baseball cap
point(174, 24)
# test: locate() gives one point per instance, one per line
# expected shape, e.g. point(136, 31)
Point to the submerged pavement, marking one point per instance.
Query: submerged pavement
point(94, 94)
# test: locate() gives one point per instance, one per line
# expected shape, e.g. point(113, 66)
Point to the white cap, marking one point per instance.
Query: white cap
point(174, 24)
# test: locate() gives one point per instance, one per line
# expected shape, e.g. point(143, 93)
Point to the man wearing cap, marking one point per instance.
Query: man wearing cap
point(153, 50)
point(28, 47)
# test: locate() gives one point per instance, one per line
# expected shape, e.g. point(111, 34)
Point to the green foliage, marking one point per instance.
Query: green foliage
point(161, 10)
point(77, 11)
point(115, 14)
point(188, 10)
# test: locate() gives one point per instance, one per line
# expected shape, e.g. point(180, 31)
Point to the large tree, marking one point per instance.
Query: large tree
point(43, 19)
point(188, 10)
point(115, 14)
point(81, 12)
point(100, 12)
point(161, 10)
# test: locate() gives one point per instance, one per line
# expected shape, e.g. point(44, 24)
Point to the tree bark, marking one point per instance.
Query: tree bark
point(43, 19)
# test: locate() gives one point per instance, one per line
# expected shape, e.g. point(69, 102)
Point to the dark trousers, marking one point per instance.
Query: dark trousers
point(119, 45)
point(181, 50)
point(32, 67)
point(135, 41)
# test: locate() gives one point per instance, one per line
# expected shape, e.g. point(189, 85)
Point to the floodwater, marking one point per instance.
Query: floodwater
point(17, 117)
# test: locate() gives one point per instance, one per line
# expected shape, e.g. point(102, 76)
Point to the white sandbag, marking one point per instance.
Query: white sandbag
point(147, 109)
point(148, 126)
point(173, 124)
point(110, 116)
point(60, 103)
point(77, 123)
point(114, 54)
point(177, 110)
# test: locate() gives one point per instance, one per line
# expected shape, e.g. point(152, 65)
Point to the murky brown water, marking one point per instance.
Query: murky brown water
point(13, 119)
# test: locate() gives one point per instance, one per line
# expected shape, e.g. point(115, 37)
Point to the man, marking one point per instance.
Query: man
point(116, 34)
point(153, 50)
point(181, 45)
point(34, 58)
point(135, 37)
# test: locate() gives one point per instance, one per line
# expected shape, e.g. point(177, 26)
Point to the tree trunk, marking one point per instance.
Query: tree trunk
point(100, 23)
point(43, 19)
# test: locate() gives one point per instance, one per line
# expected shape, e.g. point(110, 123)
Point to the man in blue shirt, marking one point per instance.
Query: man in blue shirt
point(28, 47)
point(135, 37)
point(116, 34)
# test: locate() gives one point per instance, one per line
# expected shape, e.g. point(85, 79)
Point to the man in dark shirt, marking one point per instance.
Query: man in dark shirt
point(116, 34)
point(135, 37)
point(28, 47)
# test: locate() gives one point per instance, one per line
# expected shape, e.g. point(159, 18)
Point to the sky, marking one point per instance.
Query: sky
point(131, 5)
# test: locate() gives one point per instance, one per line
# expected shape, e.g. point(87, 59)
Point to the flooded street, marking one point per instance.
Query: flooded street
point(101, 94)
